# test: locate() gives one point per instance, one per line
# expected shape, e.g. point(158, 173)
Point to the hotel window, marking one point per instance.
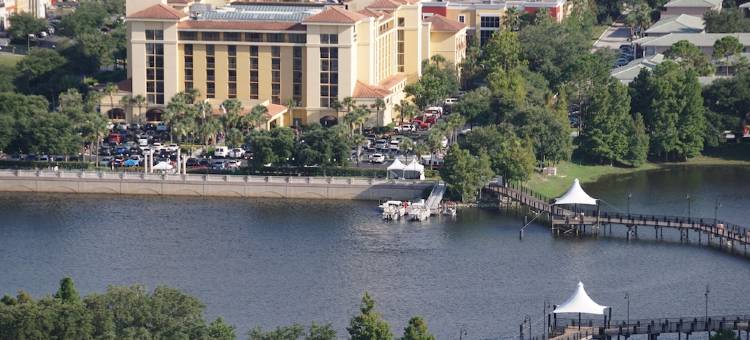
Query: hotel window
point(401, 22)
point(188, 66)
point(461, 18)
point(232, 71)
point(297, 75)
point(489, 22)
point(329, 39)
point(485, 36)
point(254, 37)
point(276, 75)
point(211, 36)
point(297, 38)
point(329, 66)
point(253, 72)
point(154, 35)
point(232, 36)
point(188, 35)
point(275, 37)
point(155, 73)
point(401, 50)
point(210, 72)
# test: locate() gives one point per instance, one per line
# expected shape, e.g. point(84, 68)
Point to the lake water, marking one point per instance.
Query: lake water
point(275, 262)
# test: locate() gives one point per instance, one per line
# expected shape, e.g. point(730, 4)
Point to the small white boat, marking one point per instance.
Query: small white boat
point(393, 210)
point(418, 211)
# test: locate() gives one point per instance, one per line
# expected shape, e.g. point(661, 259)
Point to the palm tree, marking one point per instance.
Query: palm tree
point(455, 121)
point(140, 102)
point(348, 103)
point(231, 119)
point(407, 110)
point(110, 89)
point(437, 59)
point(257, 116)
point(192, 95)
point(176, 109)
point(406, 145)
point(290, 104)
point(126, 102)
point(378, 106)
point(208, 128)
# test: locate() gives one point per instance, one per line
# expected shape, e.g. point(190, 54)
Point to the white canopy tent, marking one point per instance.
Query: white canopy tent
point(576, 195)
point(396, 169)
point(414, 170)
point(580, 303)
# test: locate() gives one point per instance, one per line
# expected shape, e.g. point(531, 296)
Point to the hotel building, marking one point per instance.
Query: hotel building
point(297, 58)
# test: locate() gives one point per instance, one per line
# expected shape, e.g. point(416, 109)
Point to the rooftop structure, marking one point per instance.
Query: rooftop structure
point(691, 7)
point(705, 41)
point(682, 23)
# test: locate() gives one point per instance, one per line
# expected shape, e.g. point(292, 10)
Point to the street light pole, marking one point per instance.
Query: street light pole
point(716, 211)
point(528, 317)
point(706, 321)
point(627, 297)
point(630, 195)
point(462, 332)
point(689, 205)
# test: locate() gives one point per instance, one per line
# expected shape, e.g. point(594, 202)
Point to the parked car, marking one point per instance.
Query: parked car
point(130, 163)
point(381, 144)
point(394, 145)
point(218, 164)
point(420, 124)
point(114, 138)
point(172, 147)
point(405, 128)
point(451, 101)
point(236, 153)
point(192, 162)
point(221, 151)
point(377, 158)
point(233, 164)
point(161, 126)
point(105, 161)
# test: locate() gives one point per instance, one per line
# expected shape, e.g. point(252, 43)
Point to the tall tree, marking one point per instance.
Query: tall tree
point(728, 20)
point(67, 292)
point(510, 156)
point(503, 50)
point(465, 173)
point(605, 137)
point(417, 330)
point(727, 49)
point(22, 24)
point(638, 143)
point(368, 325)
point(690, 56)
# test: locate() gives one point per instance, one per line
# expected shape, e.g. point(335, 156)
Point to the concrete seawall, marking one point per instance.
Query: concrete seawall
point(87, 182)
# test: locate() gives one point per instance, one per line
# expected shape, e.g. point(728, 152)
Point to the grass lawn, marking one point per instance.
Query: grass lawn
point(9, 59)
point(598, 31)
point(730, 154)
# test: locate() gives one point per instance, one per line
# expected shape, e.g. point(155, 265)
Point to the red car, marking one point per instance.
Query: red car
point(420, 124)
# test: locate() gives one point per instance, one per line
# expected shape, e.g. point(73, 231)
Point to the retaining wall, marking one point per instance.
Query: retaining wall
point(89, 182)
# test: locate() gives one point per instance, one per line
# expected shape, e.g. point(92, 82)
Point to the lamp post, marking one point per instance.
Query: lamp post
point(527, 318)
point(462, 332)
point(716, 211)
point(630, 195)
point(545, 325)
point(687, 197)
point(627, 297)
point(707, 326)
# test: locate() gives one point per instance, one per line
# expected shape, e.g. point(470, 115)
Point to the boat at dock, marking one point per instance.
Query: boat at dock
point(393, 210)
point(418, 211)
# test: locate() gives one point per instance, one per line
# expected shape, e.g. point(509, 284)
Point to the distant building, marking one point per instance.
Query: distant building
point(36, 7)
point(273, 53)
point(746, 9)
point(705, 41)
point(484, 17)
point(626, 74)
point(691, 7)
point(682, 23)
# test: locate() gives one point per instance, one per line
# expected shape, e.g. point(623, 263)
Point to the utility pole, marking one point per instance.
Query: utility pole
point(689, 206)
point(716, 211)
point(630, 195)
point(707, 325)
point(627, 297)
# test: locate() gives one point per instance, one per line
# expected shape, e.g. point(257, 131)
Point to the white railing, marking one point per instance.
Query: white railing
point(238, 179)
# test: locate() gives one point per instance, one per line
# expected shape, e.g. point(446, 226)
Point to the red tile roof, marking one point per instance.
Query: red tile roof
point(371, 13)
point(385, 4)
point(241, 25)
point(336, 15)
point(443, 24)
point(392, 81)
point(181, 2)
point(362, 90)
point(160, 11)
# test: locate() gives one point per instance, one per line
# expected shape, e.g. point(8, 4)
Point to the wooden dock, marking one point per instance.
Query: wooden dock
point(566, 222)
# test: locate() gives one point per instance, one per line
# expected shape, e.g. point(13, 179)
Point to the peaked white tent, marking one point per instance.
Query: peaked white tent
point(580, 303)
point(414, 170)
point(576, 195)
point(396, 169)
point(163, 166)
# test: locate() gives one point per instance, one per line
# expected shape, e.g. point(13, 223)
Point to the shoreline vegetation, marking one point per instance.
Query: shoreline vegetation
point(553, 186)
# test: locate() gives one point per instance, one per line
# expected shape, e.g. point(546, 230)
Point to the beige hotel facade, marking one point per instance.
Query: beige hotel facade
point(296, 58)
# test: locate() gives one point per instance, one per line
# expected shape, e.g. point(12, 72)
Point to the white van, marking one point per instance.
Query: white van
point(221, 151)
point(451, 101)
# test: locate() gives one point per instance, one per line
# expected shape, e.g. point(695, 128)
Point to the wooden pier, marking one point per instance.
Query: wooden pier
point(566, 222)
point(570, 329)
